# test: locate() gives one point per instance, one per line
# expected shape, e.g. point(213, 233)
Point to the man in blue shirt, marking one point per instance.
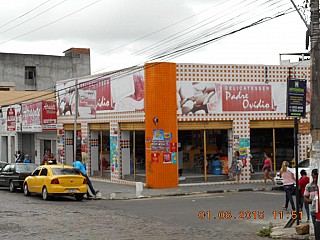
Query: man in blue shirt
point(78, 165)
point(26, 159)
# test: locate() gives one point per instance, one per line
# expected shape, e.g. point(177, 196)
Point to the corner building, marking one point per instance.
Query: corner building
point(143, 121)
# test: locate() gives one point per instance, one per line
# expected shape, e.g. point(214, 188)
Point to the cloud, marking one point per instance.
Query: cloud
point(114, 27)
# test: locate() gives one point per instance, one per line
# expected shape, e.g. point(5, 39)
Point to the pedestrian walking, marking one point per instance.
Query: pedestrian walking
point(46, 157)
point(18, 157)
point(267, 168)
point(311, 197)
point(251, 163)
point(288, 184)
point(80, 167)
point(236, 167)
point(302, 183)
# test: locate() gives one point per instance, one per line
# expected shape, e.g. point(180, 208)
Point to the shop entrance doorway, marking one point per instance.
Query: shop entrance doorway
point(137, 152)
point(100, 153)
point(277, 142)
point(195, 144)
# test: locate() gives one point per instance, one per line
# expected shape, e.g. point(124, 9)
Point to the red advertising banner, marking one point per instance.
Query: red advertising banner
point(49, 115)
point(246, 98)
point(173, 147)
point(103, 92)
point(31, 117)
point(155, 157)
point(11, 119)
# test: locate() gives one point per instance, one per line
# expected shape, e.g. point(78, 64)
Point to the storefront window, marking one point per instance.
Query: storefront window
point(104, 150)
point(139, 145)
point(192, 144)
point(262, 140)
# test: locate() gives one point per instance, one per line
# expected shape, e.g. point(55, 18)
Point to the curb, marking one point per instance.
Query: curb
point(113, 196)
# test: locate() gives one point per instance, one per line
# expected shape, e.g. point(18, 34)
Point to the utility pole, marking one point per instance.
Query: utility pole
point(315, 71)
point(75, 135)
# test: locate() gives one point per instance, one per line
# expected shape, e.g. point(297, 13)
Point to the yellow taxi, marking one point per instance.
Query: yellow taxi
point(50, 180)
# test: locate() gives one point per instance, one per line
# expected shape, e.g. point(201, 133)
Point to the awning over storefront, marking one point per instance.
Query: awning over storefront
point(69, 127)
point(272, 124)
point(99, 126)
point(127, 126)
point(204, 125)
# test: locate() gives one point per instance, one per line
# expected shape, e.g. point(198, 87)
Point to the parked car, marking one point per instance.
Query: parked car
point(50, 180)
point(12, 175)
point(2, 164)
point(305, 164)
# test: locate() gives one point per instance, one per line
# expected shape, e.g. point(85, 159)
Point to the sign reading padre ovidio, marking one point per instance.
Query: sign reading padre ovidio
point(215, 97)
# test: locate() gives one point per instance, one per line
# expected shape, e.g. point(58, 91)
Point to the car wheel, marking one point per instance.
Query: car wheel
point(26, 190)
point(12, 188)
point(45, 194)
point(79, 197)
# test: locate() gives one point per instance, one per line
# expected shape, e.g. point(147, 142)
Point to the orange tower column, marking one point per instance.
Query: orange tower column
point(161, 125)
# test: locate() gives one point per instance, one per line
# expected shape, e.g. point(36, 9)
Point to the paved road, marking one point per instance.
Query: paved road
point(155, 218)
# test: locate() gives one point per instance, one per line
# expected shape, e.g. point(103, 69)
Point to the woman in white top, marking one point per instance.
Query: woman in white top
point(288, 184)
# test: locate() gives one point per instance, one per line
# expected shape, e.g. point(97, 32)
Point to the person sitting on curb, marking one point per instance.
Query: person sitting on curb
point(80, 167)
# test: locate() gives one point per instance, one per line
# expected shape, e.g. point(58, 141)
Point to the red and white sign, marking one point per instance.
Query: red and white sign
point(87, 103)
point(244, 98)
point(118, 93)
point(49, 115)
point(155, 157)
point(31, 117)
point(173, 147)
point(38, 116)
point(11, 119)
point(102, 88)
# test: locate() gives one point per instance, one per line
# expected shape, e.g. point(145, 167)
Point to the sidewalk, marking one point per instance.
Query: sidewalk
point(122, 190)
point(125, 190)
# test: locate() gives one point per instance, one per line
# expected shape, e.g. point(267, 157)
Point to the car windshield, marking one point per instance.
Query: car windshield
point(2, 164)
point(64, 171)
point(304, 163)
point(26, 167)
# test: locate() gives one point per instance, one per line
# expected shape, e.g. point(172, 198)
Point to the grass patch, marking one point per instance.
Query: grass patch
point(265, 231)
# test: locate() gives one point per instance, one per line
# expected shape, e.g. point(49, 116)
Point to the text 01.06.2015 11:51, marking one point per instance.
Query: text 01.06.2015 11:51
point(248, 215)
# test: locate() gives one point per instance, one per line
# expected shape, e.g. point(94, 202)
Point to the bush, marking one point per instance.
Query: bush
point(266, 231)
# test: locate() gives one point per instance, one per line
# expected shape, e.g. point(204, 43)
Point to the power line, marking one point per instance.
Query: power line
point(50, 23)
point(196, 38)
point(173, 53)
point(7, 23)
point(200, 25)
point(130, 70)
point(48, 9)
point(158, 44)
point(161, 29)
point(202, 44)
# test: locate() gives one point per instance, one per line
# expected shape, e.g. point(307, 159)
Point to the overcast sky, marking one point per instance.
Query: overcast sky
point(122, 33)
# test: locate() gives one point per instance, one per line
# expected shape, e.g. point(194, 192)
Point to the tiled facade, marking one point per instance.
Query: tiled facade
point(220, 74)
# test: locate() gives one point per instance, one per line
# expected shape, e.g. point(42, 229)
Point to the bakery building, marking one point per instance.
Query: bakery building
point(139, 122)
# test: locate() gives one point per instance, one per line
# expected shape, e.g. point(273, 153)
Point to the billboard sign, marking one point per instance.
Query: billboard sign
point(31, 117)
point(243, 98)
point(11, 119)
point(296, 97)
point(49, 115)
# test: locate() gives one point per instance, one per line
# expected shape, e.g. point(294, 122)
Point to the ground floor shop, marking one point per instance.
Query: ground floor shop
point(151, 116)
point(28, 143)
point(103, 153)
